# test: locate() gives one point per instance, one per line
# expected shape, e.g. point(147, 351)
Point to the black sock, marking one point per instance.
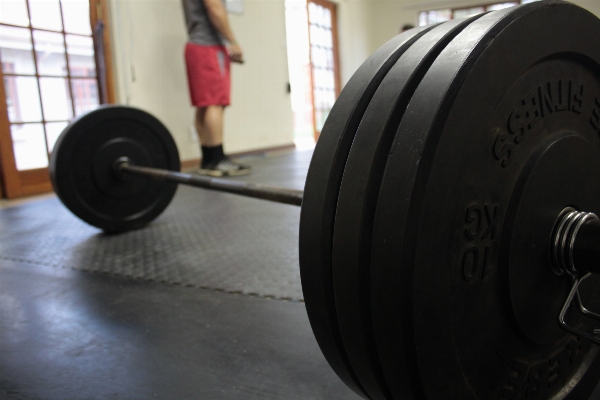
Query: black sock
point(212, 155)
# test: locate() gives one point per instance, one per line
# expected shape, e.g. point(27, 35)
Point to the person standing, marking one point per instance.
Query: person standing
point(208, 53)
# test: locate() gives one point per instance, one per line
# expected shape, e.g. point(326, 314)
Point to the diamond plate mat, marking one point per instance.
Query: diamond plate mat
point(204, 239)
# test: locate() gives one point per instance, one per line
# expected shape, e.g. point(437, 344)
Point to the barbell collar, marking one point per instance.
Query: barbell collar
point(586, 247)
point(123, 167)
point(575, 252)
point(575, 243)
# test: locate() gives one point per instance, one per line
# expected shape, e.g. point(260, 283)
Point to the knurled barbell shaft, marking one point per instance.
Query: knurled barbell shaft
point(264, 192)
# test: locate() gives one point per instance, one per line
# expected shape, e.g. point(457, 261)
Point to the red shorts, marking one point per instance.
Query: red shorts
point(208, 75)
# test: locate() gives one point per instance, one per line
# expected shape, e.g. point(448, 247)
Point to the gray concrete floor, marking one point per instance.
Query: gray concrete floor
point(198, 305)
point(204, 303)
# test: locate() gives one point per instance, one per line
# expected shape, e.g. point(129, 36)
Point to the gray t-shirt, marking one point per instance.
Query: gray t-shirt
point(200, 29)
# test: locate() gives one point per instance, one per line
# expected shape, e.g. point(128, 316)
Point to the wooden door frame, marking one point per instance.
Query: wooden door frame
point(15, 183)
point(336, 55)
point(99, 11)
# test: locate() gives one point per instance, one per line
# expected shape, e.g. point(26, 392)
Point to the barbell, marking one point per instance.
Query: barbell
point(448, 220)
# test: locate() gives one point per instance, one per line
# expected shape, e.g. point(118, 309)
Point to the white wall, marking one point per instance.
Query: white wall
point(354, 33)
point(148, 38)
point(365, 25)
point(591, 5)
point(386, 19)
point(261, 111)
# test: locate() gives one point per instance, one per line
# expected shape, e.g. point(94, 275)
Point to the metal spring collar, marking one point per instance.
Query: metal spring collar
point(561, 253)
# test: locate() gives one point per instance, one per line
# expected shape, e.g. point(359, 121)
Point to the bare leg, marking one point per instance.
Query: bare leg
point(209, 125)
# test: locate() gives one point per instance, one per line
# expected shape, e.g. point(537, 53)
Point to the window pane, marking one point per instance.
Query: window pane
point(76, 16)
point(22, 98)
point(81, 56)
point(329, 62)
point(56, 99)
point(319, 56)
point(315, 35)
point(45, 14)
point(312, 10)
point(467, 12)
point(50, 53)
point(53, 131)
point(315, 56)
point(324, 37)
point(15, 50)
point(327, 18)
point(331, 98)
point(321, 16)
point(318, 120)
point(433, 17)
point(29, 146)
point(85, 94)
point(14, 12)
point(501, 6)
point(330, 84)
point(329, 38)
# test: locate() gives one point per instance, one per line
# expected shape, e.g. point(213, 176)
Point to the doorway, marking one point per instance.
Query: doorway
point(313, 65)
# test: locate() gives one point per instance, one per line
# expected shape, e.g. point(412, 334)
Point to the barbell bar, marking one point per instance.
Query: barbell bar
point(448, 217)
point(255, 190)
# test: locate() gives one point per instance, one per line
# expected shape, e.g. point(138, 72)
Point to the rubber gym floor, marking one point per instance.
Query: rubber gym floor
point(203, 303)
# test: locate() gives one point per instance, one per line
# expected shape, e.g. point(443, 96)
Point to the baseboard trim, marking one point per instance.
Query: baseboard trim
point(274, 149)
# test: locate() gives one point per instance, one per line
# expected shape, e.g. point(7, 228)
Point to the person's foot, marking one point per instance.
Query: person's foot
point(225, 167)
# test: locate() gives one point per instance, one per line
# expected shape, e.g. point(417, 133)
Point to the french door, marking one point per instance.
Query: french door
point(324, 59)
point(49, 76)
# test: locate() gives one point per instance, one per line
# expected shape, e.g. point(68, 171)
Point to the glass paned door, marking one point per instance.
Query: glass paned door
point(324, 59)
point(49, 75)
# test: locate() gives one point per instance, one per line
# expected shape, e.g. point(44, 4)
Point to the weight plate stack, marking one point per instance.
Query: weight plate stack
point(320, 198)
point(84, 174)
point(358, 198)
point(500, 136)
